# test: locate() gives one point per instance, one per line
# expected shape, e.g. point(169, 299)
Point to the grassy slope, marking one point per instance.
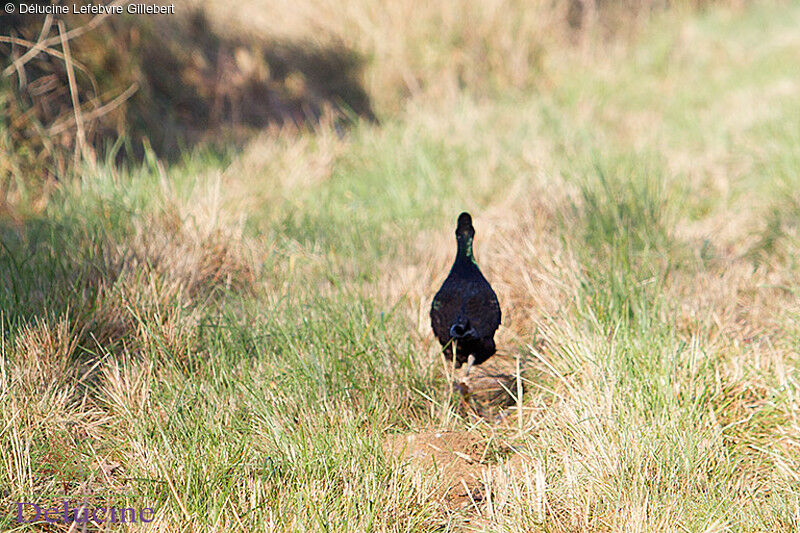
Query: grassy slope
point(241, 336)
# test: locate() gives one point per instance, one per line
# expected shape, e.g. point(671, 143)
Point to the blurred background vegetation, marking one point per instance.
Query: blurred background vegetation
point(170, 82)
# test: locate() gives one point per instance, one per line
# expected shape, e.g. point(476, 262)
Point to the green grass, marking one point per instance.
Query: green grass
point(242, 334)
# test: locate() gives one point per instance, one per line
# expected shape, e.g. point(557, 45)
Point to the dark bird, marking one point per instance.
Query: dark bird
point(465, 311)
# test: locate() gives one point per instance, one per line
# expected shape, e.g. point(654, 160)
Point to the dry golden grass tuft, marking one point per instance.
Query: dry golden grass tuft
point(196, 255)
point(48, 347)
point(529, 263)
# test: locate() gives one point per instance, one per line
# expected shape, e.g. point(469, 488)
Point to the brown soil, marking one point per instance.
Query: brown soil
point(457, 457)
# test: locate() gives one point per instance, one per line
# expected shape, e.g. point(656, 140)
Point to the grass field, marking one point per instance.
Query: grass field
point(241, 340)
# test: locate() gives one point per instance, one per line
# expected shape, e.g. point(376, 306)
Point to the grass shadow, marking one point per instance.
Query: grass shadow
point(169, 83)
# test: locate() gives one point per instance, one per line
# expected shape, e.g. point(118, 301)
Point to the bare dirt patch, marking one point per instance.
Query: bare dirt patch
point(492, 386)
point(457, 457)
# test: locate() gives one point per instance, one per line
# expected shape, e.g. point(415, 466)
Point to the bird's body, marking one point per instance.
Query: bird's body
point(465, 312)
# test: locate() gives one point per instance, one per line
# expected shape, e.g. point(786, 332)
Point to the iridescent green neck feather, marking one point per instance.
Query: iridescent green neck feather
point(465, 250)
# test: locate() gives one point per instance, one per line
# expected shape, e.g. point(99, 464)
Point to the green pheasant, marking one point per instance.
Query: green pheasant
point(465, 312)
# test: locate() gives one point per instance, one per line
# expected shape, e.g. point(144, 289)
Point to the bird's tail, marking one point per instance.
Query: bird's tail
point(461, 329)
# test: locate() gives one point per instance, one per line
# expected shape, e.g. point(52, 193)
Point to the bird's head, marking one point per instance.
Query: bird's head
point(464, 229)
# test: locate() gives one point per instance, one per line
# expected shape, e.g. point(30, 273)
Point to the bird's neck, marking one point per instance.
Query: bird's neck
point(464, 257)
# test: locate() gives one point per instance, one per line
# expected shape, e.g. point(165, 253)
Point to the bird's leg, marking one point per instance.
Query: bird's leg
point(455, 355)
point(470, 362)
point(458, 384)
